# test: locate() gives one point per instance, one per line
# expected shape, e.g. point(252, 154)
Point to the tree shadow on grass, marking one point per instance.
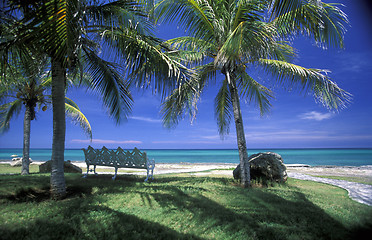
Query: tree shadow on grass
point(262, 215)
point(85, 221)
point(206, 212)
point(36, 188)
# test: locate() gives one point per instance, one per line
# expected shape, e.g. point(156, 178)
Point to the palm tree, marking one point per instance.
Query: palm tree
point(109, 40)
point(235, 37)
point(31, 92)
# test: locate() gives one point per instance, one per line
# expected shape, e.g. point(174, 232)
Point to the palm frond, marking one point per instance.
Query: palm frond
point(324, 22)
point(71, 103)
point(248, 11)
point(314, 80)
point(282, 51)
point(195, 16)
point(182, 101)
point(254, 92)
point(7, 112)
point(249, 41)
point(223, 109)
point(78, 118)
point(106, 80)
point(129, 14)
point(281, 7)
point(193, 45)
point(206, 72)
point(147, 60)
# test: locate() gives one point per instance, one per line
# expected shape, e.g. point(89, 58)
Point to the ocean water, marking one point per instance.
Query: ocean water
point(313, 157)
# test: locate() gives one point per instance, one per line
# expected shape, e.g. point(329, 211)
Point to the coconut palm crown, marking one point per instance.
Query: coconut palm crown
point(237, 37)
point(110, 41)
point(30, 91)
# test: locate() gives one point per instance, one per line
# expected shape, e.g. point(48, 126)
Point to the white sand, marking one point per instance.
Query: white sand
point(220, 169)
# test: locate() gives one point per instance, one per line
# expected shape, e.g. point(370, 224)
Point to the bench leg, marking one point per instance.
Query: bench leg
point(94, 169)
point(86, 175)
point(116, 172)
point(150, 175)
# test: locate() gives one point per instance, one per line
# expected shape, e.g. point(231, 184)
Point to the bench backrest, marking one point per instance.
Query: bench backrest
point(119, 157)
point(134, 159)
point(90, 155)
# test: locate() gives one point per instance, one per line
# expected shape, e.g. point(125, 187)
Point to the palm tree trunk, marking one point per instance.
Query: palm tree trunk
point(26, 141)
point(57, 178)
point(240, 135)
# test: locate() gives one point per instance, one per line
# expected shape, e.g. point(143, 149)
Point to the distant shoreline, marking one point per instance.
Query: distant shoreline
point(311, 157)
point(249, 149)
point(292, 165)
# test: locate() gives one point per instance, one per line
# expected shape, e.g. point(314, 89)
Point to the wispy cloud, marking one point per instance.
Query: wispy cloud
point(189, 142)
point(302, 135)
point(105, 141)
point(317, 116)
point(146, 119)
point(284, 135)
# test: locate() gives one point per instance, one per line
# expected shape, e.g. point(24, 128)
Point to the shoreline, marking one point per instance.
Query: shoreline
point(364, 171)
point(289, 165)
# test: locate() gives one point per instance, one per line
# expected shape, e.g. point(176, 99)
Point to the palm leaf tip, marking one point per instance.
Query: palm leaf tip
point(330, 95)
point(183, 100)
point(78, 118)
point(7, 112)
point(308, 80)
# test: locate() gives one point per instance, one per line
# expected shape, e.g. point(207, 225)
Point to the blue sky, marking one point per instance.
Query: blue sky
point(295, 120)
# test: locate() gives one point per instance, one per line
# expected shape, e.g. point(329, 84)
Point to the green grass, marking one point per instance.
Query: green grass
point(7, 169)
point(177, 206)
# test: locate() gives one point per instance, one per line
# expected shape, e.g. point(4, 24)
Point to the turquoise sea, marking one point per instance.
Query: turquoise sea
point(313, 157)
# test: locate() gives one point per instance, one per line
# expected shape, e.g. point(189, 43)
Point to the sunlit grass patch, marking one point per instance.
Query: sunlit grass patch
point(5, 168)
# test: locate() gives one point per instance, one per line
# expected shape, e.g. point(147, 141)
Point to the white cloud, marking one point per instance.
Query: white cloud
point(145, 119)
point(313, 115)
point(105, 141)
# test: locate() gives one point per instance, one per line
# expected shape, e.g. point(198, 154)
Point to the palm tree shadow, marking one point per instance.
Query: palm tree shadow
point(256, 212)
point(263, 214)
point(39, 190)
point(91, 221)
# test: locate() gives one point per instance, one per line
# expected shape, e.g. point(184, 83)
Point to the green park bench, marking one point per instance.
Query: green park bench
point(118, 158)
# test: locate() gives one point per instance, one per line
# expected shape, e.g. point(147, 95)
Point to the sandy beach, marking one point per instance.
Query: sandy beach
point(225, 169)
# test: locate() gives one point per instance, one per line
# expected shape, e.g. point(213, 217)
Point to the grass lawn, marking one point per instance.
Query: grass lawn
point(7, 169)
point(177, 207)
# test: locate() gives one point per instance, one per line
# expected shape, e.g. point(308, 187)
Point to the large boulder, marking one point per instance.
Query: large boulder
point(68, 167)
point(265, 167)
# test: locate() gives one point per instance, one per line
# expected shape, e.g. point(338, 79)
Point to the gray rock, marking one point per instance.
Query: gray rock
point(68, 167)
point(265, 167)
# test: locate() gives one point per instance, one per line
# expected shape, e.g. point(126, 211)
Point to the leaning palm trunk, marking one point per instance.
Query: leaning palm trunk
point(242, 146)
point(57, 178)
point(26, 141)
